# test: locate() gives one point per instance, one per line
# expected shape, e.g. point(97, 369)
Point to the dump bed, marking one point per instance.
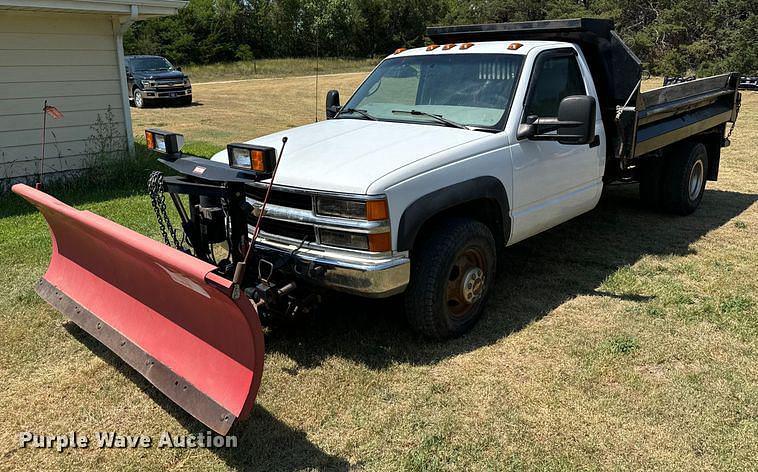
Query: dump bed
point(636, 123)
point(663, 116)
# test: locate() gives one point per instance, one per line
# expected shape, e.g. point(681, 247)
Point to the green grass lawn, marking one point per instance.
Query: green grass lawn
point(623, 339)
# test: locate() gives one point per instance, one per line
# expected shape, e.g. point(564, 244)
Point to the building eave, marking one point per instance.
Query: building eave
point(147, 8)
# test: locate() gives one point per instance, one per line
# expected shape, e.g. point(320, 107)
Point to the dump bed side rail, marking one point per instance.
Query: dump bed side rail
point(666, 115)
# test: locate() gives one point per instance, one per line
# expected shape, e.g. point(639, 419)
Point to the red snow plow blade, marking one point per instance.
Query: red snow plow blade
point(162, 311)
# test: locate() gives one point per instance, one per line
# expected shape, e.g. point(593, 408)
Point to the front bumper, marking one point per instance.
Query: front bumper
point(372, 278)
point(152, 94)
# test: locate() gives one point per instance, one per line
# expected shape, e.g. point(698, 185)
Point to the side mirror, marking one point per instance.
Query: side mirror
point(179, 68)
point(575, 123)
point(579, 109)
point(332, 104)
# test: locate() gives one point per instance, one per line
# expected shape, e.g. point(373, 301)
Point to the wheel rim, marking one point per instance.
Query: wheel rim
point(466, 282)
point(696, 179)
point(138, 98)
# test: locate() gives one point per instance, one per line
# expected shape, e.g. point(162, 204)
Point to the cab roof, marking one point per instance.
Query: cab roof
point(479, 47)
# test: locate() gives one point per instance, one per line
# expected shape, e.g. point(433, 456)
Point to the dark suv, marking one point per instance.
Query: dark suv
point(155, 78)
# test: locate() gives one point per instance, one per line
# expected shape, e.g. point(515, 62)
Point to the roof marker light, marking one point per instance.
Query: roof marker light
point(465, 46)
point(448, 46)
point(432, 47)
point(399, 50)
point(514, 46)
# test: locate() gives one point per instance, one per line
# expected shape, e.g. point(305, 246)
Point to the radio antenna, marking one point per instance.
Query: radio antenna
point(316, 26)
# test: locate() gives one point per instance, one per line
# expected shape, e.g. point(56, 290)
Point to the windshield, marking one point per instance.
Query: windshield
point(467, 89)
point(151, 63)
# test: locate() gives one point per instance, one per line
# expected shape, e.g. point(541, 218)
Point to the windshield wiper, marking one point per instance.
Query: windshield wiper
point(363, 113)
point(439, 118)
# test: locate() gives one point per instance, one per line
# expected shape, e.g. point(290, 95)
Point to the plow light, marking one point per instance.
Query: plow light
point(261, 159)
point(164, 142)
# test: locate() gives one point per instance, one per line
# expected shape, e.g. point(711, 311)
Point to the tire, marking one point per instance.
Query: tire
point(139, 100)
point(684, 178)
point(451, 275)
point(185, 101)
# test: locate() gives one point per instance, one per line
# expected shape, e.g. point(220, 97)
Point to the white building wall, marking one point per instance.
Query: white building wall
point(70, 60)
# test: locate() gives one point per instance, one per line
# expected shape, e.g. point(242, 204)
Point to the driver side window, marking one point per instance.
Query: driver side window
point(555, 78)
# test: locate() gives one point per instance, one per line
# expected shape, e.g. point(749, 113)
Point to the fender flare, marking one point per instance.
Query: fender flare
point(422, 210)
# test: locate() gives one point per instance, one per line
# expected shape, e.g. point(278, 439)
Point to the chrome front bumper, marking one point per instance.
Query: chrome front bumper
point(159, 93)
point(378, 277)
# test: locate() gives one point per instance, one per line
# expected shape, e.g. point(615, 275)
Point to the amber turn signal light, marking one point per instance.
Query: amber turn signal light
point(377, 210)
point(379, 242)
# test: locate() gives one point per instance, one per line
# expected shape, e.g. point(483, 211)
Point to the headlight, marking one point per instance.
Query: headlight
point(261, 159)
point(147, 83)
point(380, 242)
point(164, 142)
point(372, 210)
point(186, 81)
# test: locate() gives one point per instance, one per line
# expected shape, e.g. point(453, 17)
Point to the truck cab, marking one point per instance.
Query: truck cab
point(448, 153)
point(431, 138)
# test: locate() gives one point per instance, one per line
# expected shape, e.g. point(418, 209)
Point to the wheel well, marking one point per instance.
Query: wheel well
point(484, 210)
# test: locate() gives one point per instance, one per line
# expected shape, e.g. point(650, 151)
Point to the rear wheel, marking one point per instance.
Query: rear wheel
point(453, 269)
point(684, 178)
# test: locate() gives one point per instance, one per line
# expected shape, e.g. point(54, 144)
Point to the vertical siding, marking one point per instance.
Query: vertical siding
point(69, 60)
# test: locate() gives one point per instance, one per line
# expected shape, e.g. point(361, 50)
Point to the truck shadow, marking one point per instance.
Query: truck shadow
point(541, 273)
point(263, 442)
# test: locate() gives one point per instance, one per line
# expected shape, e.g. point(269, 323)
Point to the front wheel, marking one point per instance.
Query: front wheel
point(451, 275)
point(139, 99)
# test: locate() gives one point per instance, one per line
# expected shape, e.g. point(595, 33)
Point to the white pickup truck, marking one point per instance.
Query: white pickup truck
point(442, 158)
point(448, 153)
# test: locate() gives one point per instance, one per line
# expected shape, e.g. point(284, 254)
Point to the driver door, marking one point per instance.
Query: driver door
point(553, 182)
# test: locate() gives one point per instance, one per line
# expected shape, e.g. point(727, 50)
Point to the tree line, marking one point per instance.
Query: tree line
point(669, 36)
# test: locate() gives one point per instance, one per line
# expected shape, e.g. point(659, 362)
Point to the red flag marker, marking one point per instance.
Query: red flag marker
point(53, 111)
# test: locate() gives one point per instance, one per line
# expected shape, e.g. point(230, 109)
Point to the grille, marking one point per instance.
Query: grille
point(287, 229)
point(301, 201)
point(169, 83)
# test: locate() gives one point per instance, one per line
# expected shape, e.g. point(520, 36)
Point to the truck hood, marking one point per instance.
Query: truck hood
point(347, 155)
point(158, 74)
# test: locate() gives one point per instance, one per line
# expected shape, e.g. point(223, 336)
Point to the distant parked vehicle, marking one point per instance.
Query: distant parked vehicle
point(677, 80)
point(748, 82)
point(153, 78)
